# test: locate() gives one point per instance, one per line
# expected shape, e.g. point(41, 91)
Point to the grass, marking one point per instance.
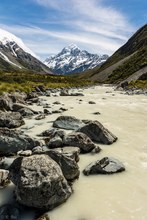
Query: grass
point(24, 81)
point(138, 84)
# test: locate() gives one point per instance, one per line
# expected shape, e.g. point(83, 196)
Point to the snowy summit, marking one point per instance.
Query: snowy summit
point(72, 59)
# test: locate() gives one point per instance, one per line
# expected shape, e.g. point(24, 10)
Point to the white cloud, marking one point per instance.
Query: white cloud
point(88, 23)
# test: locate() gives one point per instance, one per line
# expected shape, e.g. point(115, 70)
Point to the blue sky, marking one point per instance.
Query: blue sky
point(99, 26)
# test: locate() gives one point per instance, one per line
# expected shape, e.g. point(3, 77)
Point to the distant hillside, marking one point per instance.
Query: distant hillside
point(127, 64)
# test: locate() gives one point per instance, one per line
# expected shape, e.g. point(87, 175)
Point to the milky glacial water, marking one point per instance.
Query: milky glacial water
point(120, 196)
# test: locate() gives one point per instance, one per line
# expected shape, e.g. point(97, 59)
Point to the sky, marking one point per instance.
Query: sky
point(98, 26)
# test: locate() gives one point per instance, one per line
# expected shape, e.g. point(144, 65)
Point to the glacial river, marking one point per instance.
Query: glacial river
point(120, 196)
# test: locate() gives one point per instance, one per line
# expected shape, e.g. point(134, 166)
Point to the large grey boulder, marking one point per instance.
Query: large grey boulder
point(68, 165)
point(67, 122)
point(107, 165)
point(39, 182)
point(80, 140)
point(55, 142)
point(11, 119)
point(72, 152)
point(5, 103)
point(12, 141)
point(98, 133)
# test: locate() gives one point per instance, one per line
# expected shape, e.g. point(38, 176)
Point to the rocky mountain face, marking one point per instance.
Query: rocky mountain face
point(128, 65)
point(15, 56)
point(73, 60)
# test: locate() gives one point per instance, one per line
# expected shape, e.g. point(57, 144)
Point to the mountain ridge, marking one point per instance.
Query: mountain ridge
point(72, 59)
point(16, 56)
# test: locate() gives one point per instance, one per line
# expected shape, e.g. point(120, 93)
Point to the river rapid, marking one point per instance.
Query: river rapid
point(120, 196)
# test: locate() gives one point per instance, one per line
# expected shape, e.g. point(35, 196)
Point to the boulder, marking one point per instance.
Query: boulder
point(24, 153)
point(39, 182)
point(107, 165)
point(50, 133)
point(68, 123)
point(98, 133)
point(55, 142)
point(5, 103)
point(92, 102)
point(11, 119)
point(4, 180)
point(72, 152)
point(80, 140)
point(40, 117)
point(12, 141)
point(26, 112)
point(68, 165)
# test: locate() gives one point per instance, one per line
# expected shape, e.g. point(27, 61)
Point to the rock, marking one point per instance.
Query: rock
point(40, 117)
point(40, 88)
point(43, 217)
point(5, 103)
point(92, 102)
point(39, 182)
point(52, 133)
point(4, 180)
point(11, 119)
point(68, 165)
point(9, 212)
point(37, 150)
point(47, 112)
point(12, 141)
point(77, 94)
point(5, 162)
point(56, 111)
point(26, 112)
point(67, 122)
point(64, 93)
point(57, 103)
point(78, 139)
point(32, 95)
point(55, 142)
point(96, 113)
point(72, 152)
point(107, 165)
point(18, 97)
point(98, 133)
point(63, 109)
point(24, 153)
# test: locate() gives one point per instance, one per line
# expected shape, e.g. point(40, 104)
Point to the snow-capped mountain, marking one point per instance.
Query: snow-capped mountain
point(72, 59)
point(15, 55)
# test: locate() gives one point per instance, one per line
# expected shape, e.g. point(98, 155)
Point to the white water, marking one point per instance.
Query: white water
point(114, 197)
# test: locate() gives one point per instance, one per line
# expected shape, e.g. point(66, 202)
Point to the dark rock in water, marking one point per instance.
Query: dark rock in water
point(96, 113)
point(40, 117)
point(98, 133)
point(9, 212)
point(11, 119)
point(67, 122)
point(4, 180)
point(92, 102)
point(39, 182)
point(107, 165)
point(47, 112)
point(12, 141)
point(5, 162)
point(64, 93)
point(55, 142)
point(32, 95)
point(63, 109)
point(52, 133)
point(68, 165)
point(57, 103)
point(71, 152)
point(26, 112)
point(57, 111)
point(6, 103)
point(77, 94)
point(80, 140)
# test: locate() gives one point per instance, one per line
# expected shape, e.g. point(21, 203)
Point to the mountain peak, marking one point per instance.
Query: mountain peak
point(6, 37)
point(72, 59)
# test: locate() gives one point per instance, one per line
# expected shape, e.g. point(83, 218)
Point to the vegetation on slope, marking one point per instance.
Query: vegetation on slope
point(25, 81)
point(135, 63)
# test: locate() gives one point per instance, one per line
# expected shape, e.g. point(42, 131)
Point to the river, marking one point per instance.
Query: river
point(120, 196)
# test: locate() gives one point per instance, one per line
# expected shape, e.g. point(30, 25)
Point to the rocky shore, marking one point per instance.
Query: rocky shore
point(44, 167)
